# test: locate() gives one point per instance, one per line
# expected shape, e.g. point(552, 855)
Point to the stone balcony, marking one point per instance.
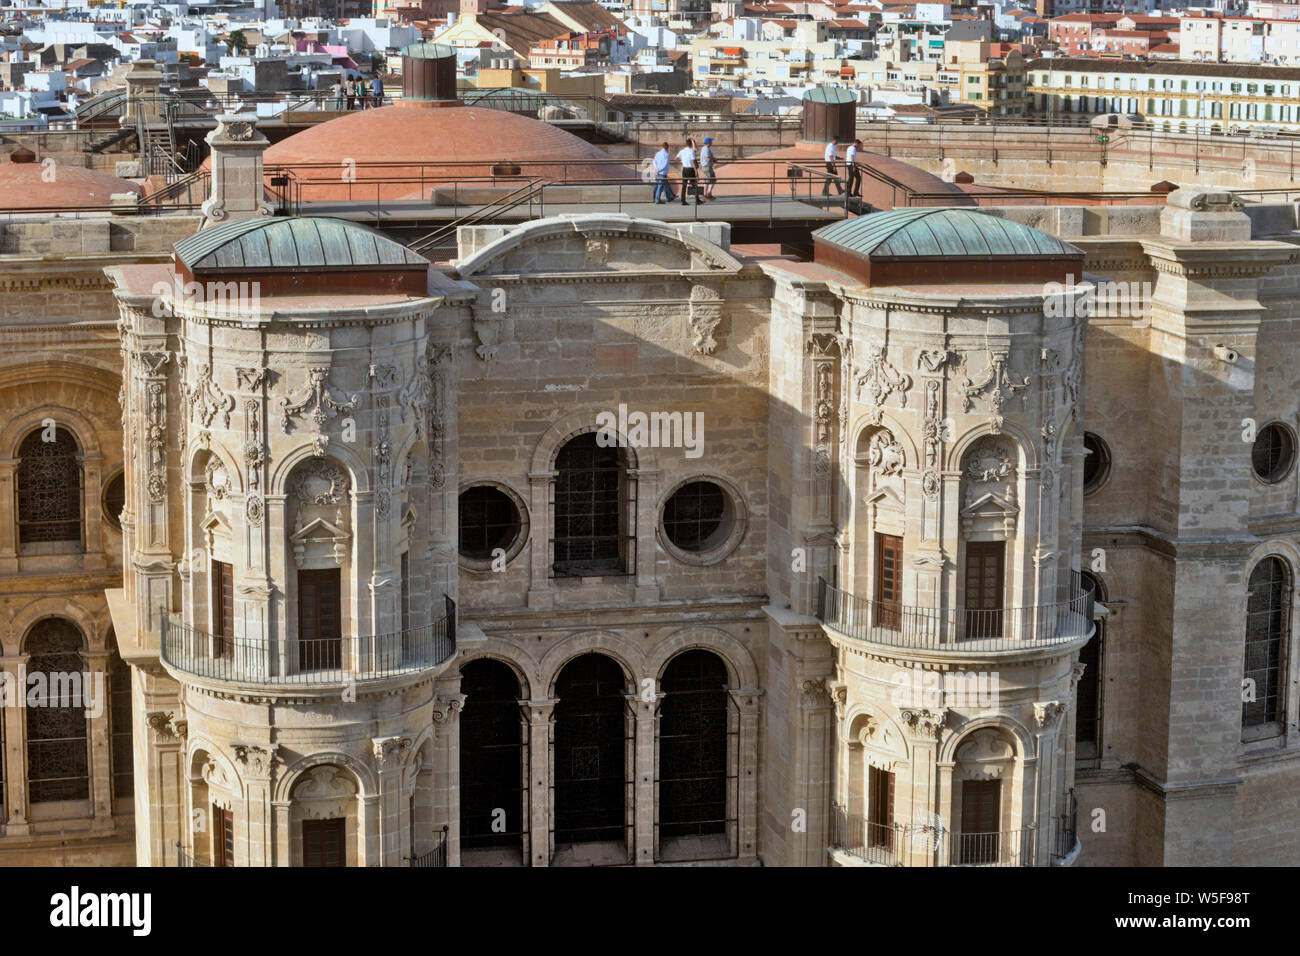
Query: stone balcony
point(317, 666)
point(858, 842)
point(957, 632)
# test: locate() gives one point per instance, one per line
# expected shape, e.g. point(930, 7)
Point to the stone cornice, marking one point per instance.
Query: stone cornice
point(1219, 260)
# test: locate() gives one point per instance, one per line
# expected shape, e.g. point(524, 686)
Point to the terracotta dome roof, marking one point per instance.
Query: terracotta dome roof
point(444, 142)
point(26, 183)
point(879, 194)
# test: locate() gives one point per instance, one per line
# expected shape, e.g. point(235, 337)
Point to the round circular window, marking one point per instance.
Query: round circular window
point(491, 524)
point(1273, 453)
point(1096, 463)
point(702, 521)
point(114, 500)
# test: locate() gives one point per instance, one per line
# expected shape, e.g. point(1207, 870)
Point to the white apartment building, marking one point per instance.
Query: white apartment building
point(1175, 95)
point(1239, 39)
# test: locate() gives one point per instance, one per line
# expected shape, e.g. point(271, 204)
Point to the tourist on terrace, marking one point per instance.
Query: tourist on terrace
point(708, 175)
point(352, 94)
point(690, 178)
point(379, 91)
point(363, 93)
point(851, 165)
point(831, 149)
point(663, 162)
point(338, 96)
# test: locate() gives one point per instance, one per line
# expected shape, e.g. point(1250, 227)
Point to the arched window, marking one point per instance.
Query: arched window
point(119, 721)
point(1088, 696)
point(591, 773)
point(591, 508)
point(49, 488)
point(491, 756)
point(1268, 598)
point(693, 734)
point(57, 761)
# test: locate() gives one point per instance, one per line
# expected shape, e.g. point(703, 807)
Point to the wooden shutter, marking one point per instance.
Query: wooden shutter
point(889, 580)
point(322, 842)
point(981, 819)
point(985, 568)
point(320, 643)
point(223, 837)
point(223, 609)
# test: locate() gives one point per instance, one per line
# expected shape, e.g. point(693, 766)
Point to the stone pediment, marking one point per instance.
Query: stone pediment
point(308, 540)
point(990, 505)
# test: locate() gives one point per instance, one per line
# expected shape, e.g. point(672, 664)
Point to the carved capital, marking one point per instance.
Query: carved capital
point(255, 759)
point(390, 752)
point(1046, 712)
point(927, 724)
point(166, 727)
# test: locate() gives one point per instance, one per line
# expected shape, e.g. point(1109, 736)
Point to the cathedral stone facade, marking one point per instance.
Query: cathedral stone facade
point(616, 543)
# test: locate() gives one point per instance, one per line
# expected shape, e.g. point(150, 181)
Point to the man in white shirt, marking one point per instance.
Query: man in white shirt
point(686, 156)
point(663, 160)
point(855, 174)
point(830, 156)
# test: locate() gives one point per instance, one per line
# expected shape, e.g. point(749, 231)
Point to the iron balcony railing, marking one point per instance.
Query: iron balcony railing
point(929, 628)
point(919, 845)
point(316, 661)
point(185, 859)
point(435, 857)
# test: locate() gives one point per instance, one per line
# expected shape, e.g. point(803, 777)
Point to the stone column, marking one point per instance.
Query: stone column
point(92, 473)
point(931, 796)
point(167, 778)
point(446, 775)
point(237, 180)
point(645, 737)
point(14, 756)
point(8, 516)
point(647, 495)
point(1045, 793)
point(746, 702)
point(256, 765)
point(540, 593)
point(101, 759)
point(390, 755)
point(540, 715)
point(814, 771)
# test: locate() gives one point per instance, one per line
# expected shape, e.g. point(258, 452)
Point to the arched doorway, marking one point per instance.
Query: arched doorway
point(693, 758)
point(492, 760)
point(591, 748)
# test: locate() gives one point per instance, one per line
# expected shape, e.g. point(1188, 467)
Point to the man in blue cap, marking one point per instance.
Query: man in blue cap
point(707, 174)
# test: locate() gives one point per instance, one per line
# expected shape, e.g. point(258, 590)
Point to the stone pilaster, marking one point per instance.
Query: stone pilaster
point(540, 715)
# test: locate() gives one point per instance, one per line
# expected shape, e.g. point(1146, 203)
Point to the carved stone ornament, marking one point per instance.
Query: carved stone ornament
point(931, 485)
point(256, 760)
point(320, 481)
point(1047, 711)
point(989, 460)
point(254, 510)
point(879, 379)
point(925, 723)
point(391, 751)
point(218, 480)
point(206, 399)
point(446, 707)
point(997, 382)
point(319, 399)
point(165, 725)
point(156, 486)
point(885, 454)
point(705, 317)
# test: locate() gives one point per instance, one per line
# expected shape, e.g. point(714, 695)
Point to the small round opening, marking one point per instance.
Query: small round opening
point(696, 517)
point(489, 520)
point(1096, 463)
point(1273, 452)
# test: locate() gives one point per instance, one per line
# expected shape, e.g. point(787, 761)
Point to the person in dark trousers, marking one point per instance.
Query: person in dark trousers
point(686, 156)
point(379, 91)
point(663, 162)
point(830, 156)
point(352, 94)
point(851, 165)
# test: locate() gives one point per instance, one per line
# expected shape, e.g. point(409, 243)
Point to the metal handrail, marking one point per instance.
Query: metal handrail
point(484, 214)
point(317, 661)
point(959, 628)
point(435, 857)
point(187, 859)
point(916, 845)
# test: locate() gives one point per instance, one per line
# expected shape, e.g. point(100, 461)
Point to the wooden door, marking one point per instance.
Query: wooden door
point(320, 638)
point(223, 609)
point(322, 842)
point(985, 569)
point(981, 821)
point(880, 796)
point(223, 837)
point(889, 580)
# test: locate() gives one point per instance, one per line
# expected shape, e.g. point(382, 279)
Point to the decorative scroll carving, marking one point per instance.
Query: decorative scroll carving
point(206, 399)
point(825, 416)
point(320, 481)
point(166, 726)
point(925, 723)
point(319, 398)
point(884, 454)
point(254, 510)
point(880, 379)
point(446, 707)
point(390, 752)
point(257, 761)
point(931, 360)
point(217, 480)
point(250, 379)
point(705, 316)
point(416, 396)
point(999, 384)
point(989, 460)
point(1047, 711)
point(931, 485)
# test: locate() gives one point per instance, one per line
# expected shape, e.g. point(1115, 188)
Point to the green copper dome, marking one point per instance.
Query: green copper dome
point(941, 233)
point(292, 242)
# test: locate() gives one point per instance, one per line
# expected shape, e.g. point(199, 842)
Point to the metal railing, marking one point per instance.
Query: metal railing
point(1064, 830)
point(315, 661)
point(435, 857)
point(958, 629)
point(920, 845)
point(185, 859)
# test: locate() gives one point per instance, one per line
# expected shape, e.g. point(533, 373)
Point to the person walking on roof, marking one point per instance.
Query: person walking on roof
point(708, 175)
point(834, 175)
point(851, 165)
point(663, 162)
point(690, 177)
point(379, 91)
